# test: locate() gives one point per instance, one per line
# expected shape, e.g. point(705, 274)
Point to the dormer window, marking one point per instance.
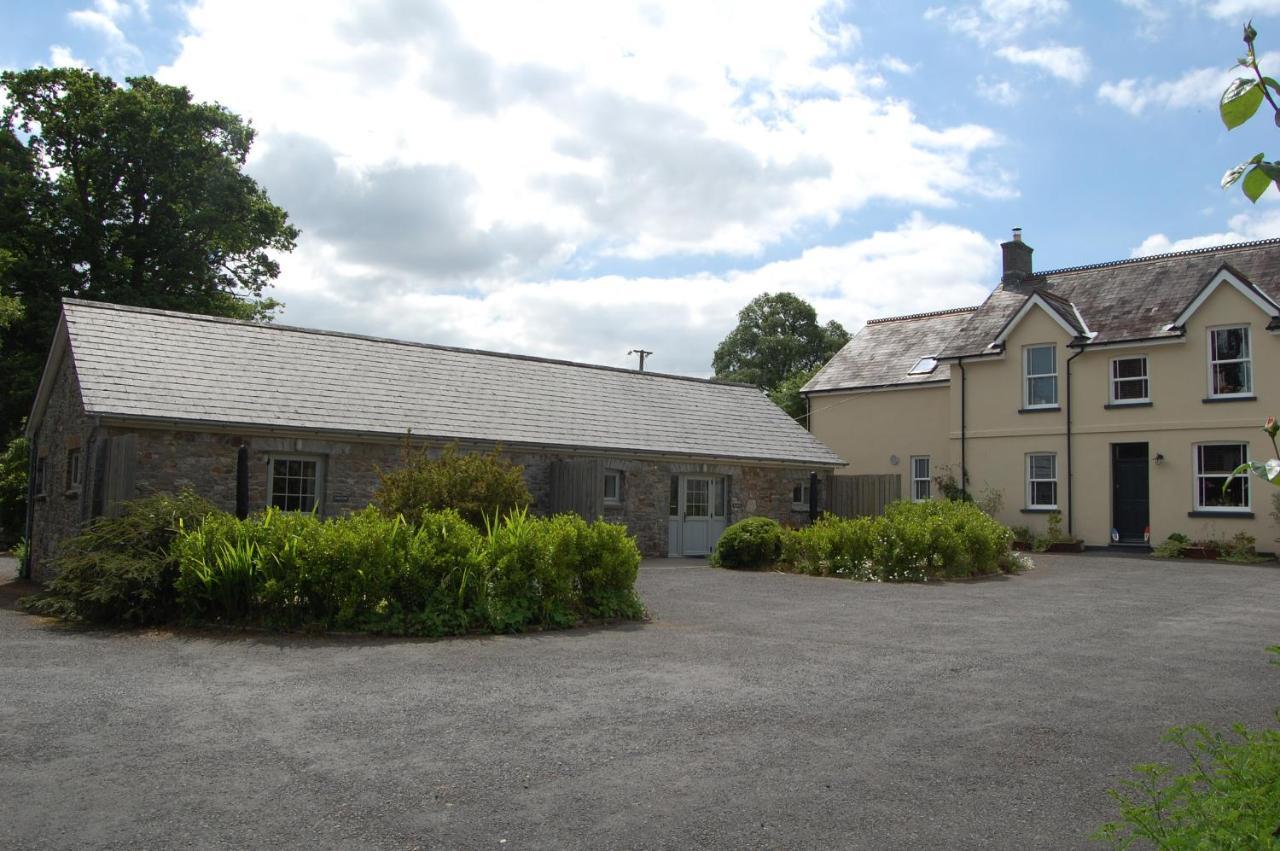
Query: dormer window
point(924, 366)
point(1230, 362)
point(1040, 385)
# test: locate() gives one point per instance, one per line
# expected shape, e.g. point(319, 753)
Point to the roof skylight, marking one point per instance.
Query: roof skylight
point(924, 366)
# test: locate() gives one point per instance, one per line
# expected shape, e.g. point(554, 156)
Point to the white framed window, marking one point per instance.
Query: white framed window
point(921, 483)
point(1040, 366)
point(613, 486)
point(800, 497)
point(1130, 383)
point(1042, 480)
point(1216, 490)
point(295, 482)
point(73, 474)
point(1230, 362)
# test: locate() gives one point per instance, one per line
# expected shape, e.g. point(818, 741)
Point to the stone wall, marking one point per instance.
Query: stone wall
point(59, 511)
point(205, 462)
point(168, 460)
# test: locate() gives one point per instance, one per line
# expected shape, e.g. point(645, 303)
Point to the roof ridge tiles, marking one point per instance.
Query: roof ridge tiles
point(951, 311)
point(1190, 252)
point(198, 317)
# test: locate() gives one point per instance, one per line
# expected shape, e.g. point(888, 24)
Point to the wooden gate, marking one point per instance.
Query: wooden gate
point(578, 486)
point(862, 496)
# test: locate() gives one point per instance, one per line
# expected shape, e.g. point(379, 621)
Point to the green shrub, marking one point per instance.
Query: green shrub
point(1173, 546)
point(750, 543)
point(911, 542)
point(832, 547)
point(13, 490)
point(479, 486)
point(120, 569)
point(373, 573)
point(1229, 797)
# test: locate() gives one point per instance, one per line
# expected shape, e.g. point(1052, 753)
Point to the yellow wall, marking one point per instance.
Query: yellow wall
point(868, 427)
point(998, 437)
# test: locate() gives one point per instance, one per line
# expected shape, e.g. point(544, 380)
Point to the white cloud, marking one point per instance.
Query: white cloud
point(471, 172)
point(1242, 227)
point(1198, 87)
point(105, 17)
point(1241, 10)
point(1000, 92)
point(611, 127)
point(60, 56)
point(1153, 13)
point(999, 21)
point(1065, 63)
point(921, 265)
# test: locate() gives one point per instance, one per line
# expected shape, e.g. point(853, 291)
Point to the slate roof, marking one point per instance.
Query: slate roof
point(1125, 300)
point(135, 363)
point(884, 351)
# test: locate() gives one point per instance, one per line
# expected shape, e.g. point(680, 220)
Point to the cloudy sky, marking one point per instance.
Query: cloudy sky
point(576, 179)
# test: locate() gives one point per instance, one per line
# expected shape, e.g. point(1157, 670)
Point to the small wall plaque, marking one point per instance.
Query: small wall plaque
point(341, 497)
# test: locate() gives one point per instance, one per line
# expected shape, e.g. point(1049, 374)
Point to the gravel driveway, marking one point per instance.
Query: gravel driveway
point(756, 710)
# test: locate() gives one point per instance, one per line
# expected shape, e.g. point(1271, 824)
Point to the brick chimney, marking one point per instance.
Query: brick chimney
point(1017, 260)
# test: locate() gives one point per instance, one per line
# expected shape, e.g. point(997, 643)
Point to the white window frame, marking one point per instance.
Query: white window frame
point(1197, 475)
point(1247, 361)
point(318, 460)
point(1115, 380)
point(803, 505)
point(1028, 376)
point(616, 476)
point(75, 469)
point(1030, 490)
point(917, 480)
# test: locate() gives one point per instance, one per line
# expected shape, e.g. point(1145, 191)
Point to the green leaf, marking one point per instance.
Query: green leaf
point(1239, 102)
point(1271, 170)
point(1235, 173)
point(1271, 83)
point(1255, 183)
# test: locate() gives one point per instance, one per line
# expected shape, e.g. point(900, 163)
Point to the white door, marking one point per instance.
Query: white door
point(702, 513)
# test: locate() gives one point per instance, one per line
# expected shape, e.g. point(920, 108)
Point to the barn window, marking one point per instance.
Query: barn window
point(294, 482)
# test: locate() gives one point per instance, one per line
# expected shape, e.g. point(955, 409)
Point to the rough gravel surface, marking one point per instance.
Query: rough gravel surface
point(756, 710)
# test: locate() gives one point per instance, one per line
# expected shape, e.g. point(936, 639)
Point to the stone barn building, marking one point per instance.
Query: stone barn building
point(135, 402)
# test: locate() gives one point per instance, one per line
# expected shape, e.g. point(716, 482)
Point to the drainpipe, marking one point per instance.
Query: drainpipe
point(24, 569)
point(964, 468)
point(1071, 491)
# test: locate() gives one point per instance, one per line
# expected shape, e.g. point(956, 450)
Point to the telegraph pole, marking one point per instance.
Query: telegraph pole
point(642, 353)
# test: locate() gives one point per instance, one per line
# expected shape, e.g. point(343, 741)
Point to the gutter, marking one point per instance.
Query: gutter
point(1070, 484)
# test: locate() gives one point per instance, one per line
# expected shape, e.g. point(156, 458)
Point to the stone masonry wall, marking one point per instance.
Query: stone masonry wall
point(59, 511)
point(205, 462)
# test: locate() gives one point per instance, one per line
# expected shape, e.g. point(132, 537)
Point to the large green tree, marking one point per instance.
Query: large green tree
point(133, 194)
point(777, 337)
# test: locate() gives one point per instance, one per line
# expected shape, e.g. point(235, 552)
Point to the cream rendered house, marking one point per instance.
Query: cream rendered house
point(1119, 394)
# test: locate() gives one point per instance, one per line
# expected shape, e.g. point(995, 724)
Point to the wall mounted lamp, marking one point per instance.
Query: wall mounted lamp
point(1159, 458)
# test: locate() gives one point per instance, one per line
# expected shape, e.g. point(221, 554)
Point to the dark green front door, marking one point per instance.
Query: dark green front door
point(1130, 492)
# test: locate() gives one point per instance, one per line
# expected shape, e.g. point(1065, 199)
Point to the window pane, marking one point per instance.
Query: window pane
point(1042, 391)
point(674, 503)
point(921, 489)
point(1231, 377)
point(696, 498)
point(1044, 493)
point(1221, 458)
point(1212, 494)
point(1134, 388)
point(1042, 466)
point(1230, 343)
point(611, 485)
point(921, 468)
point(1130, 368)
point(1041, 360)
